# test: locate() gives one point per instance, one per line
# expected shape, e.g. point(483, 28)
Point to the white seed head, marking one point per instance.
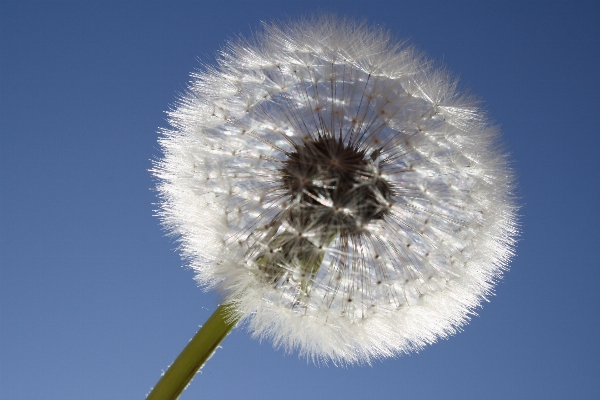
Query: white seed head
point(337, 190)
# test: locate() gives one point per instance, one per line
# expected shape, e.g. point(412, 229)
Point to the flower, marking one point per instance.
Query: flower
point(348, 203)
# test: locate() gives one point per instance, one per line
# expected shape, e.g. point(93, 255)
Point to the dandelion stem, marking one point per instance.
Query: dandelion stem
point(194, 355)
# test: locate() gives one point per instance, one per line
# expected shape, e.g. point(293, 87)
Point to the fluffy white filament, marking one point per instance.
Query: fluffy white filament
point(337, 190)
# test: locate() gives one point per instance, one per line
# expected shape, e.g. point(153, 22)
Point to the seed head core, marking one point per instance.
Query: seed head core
point(337, 186)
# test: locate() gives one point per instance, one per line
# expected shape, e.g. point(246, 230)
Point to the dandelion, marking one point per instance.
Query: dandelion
point(346, 201)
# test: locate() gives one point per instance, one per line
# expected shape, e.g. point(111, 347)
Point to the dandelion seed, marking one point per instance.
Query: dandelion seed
point(345, 199)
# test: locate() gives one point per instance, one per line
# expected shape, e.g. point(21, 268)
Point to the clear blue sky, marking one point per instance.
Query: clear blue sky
point(94, 301)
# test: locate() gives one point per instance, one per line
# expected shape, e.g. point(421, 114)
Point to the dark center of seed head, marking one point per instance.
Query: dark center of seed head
point(335, 186)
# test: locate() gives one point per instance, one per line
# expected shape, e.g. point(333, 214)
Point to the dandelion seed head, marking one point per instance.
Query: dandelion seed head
point(337, 190)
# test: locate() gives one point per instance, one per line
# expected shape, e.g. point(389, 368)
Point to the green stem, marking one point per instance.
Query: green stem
point(194, 355)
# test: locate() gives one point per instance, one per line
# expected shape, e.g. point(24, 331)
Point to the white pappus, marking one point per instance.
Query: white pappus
point(337, 190)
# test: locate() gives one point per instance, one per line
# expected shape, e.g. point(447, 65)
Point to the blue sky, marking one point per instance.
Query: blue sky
point(94, 300)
